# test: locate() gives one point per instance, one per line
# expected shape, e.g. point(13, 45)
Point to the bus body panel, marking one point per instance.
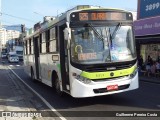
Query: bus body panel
point(28, 63)
point(47, 67)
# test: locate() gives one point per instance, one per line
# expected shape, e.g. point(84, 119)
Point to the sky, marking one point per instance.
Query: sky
point(29, 12)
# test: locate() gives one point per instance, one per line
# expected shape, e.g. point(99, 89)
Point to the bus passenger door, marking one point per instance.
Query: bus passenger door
point(63, 58)
point(37, 61)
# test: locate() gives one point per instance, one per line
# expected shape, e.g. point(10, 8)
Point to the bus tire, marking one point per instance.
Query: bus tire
point(32, 75)
point(57, 87)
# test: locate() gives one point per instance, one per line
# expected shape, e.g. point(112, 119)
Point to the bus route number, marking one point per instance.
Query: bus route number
point(83, 16)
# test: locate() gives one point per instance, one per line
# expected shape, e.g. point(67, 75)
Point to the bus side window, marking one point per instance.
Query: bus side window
point(40, 43)
point(47, 41)
point(43, 42)
point(53, 40)
point(30, 46)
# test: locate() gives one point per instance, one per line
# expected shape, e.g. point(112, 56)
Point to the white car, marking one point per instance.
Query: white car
point(13, 58)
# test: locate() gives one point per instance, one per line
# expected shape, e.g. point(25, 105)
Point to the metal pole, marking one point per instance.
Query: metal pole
point(1, 7)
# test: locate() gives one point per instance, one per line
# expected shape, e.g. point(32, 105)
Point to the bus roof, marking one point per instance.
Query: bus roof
point(62, 16)
point(89, 7)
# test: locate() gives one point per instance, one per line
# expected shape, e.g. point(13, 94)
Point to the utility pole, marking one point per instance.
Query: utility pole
point(0, 13)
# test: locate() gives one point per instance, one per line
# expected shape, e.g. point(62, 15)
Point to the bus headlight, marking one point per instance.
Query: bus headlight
point(134, 73)
point(83, 79)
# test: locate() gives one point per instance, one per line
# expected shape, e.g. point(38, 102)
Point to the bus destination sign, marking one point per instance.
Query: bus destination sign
point(93, 16)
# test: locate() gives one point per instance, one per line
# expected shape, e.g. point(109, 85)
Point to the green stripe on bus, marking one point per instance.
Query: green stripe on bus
point(59, 67)
point(102, 75)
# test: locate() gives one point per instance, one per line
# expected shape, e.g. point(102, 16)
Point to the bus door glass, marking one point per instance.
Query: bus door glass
point(37, 62)
point(63, 57)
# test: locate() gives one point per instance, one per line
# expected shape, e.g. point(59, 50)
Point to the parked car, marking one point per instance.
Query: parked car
point(13, 58)
point(4, 55)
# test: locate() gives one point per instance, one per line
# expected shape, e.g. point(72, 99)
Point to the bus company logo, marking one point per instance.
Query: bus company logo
point(111, 68)
point(111, 74)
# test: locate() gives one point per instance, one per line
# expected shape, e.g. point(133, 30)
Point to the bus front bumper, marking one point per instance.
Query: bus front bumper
point(80, 89)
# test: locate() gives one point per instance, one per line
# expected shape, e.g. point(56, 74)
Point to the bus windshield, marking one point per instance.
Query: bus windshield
point(105, 44)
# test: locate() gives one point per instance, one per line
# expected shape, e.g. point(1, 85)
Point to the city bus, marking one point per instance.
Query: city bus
point(86, 51)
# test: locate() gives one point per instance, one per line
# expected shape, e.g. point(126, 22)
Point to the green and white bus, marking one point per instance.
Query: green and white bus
point(87, 51)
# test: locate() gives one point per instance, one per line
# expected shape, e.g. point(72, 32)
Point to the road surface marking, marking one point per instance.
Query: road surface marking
point(52, 108)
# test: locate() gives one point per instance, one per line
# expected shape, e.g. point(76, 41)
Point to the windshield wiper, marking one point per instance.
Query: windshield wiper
point(115, 30)
point(97, 33)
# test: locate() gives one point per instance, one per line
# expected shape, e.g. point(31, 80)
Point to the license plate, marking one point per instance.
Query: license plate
point(112, 87)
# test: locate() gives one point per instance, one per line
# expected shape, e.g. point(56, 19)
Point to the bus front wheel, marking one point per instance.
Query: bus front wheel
point(57, 87)
point(32, 75)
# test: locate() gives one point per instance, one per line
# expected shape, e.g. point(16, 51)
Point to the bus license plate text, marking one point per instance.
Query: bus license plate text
point(112, 87)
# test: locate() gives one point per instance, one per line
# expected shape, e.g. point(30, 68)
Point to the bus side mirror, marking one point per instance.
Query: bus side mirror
point(67, 34)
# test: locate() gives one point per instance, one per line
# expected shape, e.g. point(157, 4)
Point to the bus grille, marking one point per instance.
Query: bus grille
point(103, 69)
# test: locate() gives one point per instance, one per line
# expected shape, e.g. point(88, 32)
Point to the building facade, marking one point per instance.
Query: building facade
point(2, 36)
point(147, 29)
point(6, 35)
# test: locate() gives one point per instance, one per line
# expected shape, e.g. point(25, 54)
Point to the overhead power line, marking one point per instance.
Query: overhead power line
point(2, 13)
point(4, 21)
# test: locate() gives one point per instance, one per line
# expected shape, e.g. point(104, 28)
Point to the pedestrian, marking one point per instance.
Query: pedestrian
point(158, 59)
point(153, 68)
point(140, 61)
point(140, 64)
point(149, 62)
point(157, 67)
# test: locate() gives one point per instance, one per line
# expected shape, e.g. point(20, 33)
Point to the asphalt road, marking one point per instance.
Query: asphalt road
point(146, 98)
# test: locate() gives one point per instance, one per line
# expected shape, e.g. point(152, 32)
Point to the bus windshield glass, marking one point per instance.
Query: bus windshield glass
point(92, 45)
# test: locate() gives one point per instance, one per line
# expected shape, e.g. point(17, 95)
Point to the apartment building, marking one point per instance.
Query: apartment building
point(6, 35)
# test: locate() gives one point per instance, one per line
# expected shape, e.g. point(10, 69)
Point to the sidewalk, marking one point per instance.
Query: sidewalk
point(15, 96)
